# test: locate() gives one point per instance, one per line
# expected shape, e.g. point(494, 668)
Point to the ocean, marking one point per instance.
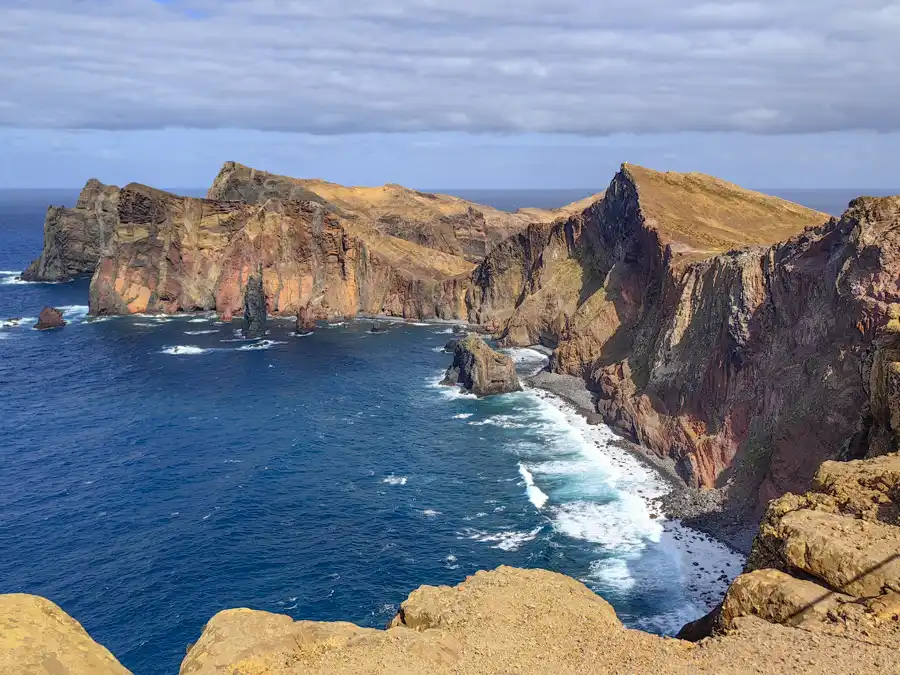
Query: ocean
point(156, 470)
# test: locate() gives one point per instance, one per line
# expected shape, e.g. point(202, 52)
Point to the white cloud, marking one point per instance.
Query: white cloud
point(505, 66)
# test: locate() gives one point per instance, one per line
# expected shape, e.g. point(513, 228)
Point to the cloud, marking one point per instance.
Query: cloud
point(494, 66)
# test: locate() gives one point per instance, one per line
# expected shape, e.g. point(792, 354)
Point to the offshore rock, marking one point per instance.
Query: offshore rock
point(481, 370)
point(38, 638)
point(50, 318)
point(305, 322)
point(255, 306)
point(74, 239)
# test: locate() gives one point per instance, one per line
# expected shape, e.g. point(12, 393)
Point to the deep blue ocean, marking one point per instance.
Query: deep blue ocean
point(144, 488)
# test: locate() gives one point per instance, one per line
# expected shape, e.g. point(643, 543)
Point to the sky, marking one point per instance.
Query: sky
point(450, 94)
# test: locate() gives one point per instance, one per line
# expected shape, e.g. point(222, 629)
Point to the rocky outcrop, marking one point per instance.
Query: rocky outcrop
point(305, 322)
point(438, 222)
point(255, 306)
point(481, 370)
point(49, 319)
point(170, 253)
point(827, 561)
point(38, 638)
point(75, 238)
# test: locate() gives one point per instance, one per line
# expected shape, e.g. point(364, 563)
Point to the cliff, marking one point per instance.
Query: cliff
point(74, 238)
point(821, 595)
point(169, 253)
point(440, 222)
point(738, 334)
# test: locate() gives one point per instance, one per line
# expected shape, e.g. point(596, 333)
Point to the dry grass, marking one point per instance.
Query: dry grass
point(697, 213)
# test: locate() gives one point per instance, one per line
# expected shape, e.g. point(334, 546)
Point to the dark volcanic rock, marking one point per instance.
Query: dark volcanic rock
point(376, 328)
point(255, 306)
point(450, 347)
point(74, 239)
point(481, 370)
point(50, 318)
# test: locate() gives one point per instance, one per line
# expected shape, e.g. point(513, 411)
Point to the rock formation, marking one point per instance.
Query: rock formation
point(50, 318)
point(170, 253)
point(255, 306)
point(439, 222)
point(305, 322)
point(38, 638)
point(481, 370)
point(75, 238)
point(827, 561)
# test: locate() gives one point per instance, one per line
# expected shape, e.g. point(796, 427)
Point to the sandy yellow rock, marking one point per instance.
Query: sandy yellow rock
point(38, 638)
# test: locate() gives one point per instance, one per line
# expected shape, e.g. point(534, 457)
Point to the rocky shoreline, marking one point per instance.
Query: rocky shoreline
point(706, 511)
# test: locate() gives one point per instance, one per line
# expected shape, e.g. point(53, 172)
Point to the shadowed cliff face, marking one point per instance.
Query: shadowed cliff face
point(749, 367)
point(74, 238)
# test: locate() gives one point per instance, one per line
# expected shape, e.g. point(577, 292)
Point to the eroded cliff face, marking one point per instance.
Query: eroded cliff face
point(440, 222)
point(75, 238)
point(738, 334)
point(169, 253)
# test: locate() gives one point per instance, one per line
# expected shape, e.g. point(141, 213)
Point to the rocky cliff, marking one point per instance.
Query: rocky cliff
point(74, 238)
point(738, 334)
point(821, 595)
point(440, 222)
point(169, 253)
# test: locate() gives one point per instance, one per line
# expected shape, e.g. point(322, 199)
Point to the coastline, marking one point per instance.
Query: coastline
point(701, 510)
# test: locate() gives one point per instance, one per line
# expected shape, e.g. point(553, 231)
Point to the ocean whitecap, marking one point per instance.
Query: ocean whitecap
point(535, 495)
point(395, 480)
point(184, 350)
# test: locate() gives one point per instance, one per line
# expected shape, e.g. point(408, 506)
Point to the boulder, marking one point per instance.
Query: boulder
point(481, 370)
point(38, 638)
point(255, 306)
point(50, 318)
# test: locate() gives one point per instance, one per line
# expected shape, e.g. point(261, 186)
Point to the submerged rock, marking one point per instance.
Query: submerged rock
point(255, 306)
point(50, 318)
point(377, 328)
point(481, 370)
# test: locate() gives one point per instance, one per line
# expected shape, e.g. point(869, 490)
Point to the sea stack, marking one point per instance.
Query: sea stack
point(50, 318)
point(255, 306)
point(481, 370)
point(305, 321)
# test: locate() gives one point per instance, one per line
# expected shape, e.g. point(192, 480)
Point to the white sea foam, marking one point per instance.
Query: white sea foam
point(508, 540)
point(446, 331)
point(74, 313)
point(262, 344)
point(200, 332)
point(450, 392)
point(528, 360)
point(184, 350)
point(11, 277)
point(613, 572)
point(535, 495)
point(395, 480)
point(198, 321)
point(502, 421)
point(463, 416)
point(20, 322)
point(431, 513)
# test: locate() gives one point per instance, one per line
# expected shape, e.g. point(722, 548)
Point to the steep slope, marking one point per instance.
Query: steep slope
point(440, 222)
point(74, 238)
point(169, 253)
point(745, 360)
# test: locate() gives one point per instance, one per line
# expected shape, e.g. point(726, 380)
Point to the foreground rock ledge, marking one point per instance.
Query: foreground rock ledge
point(481, 370)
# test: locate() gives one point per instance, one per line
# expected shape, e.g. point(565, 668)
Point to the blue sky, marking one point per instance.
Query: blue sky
point(450, 94)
